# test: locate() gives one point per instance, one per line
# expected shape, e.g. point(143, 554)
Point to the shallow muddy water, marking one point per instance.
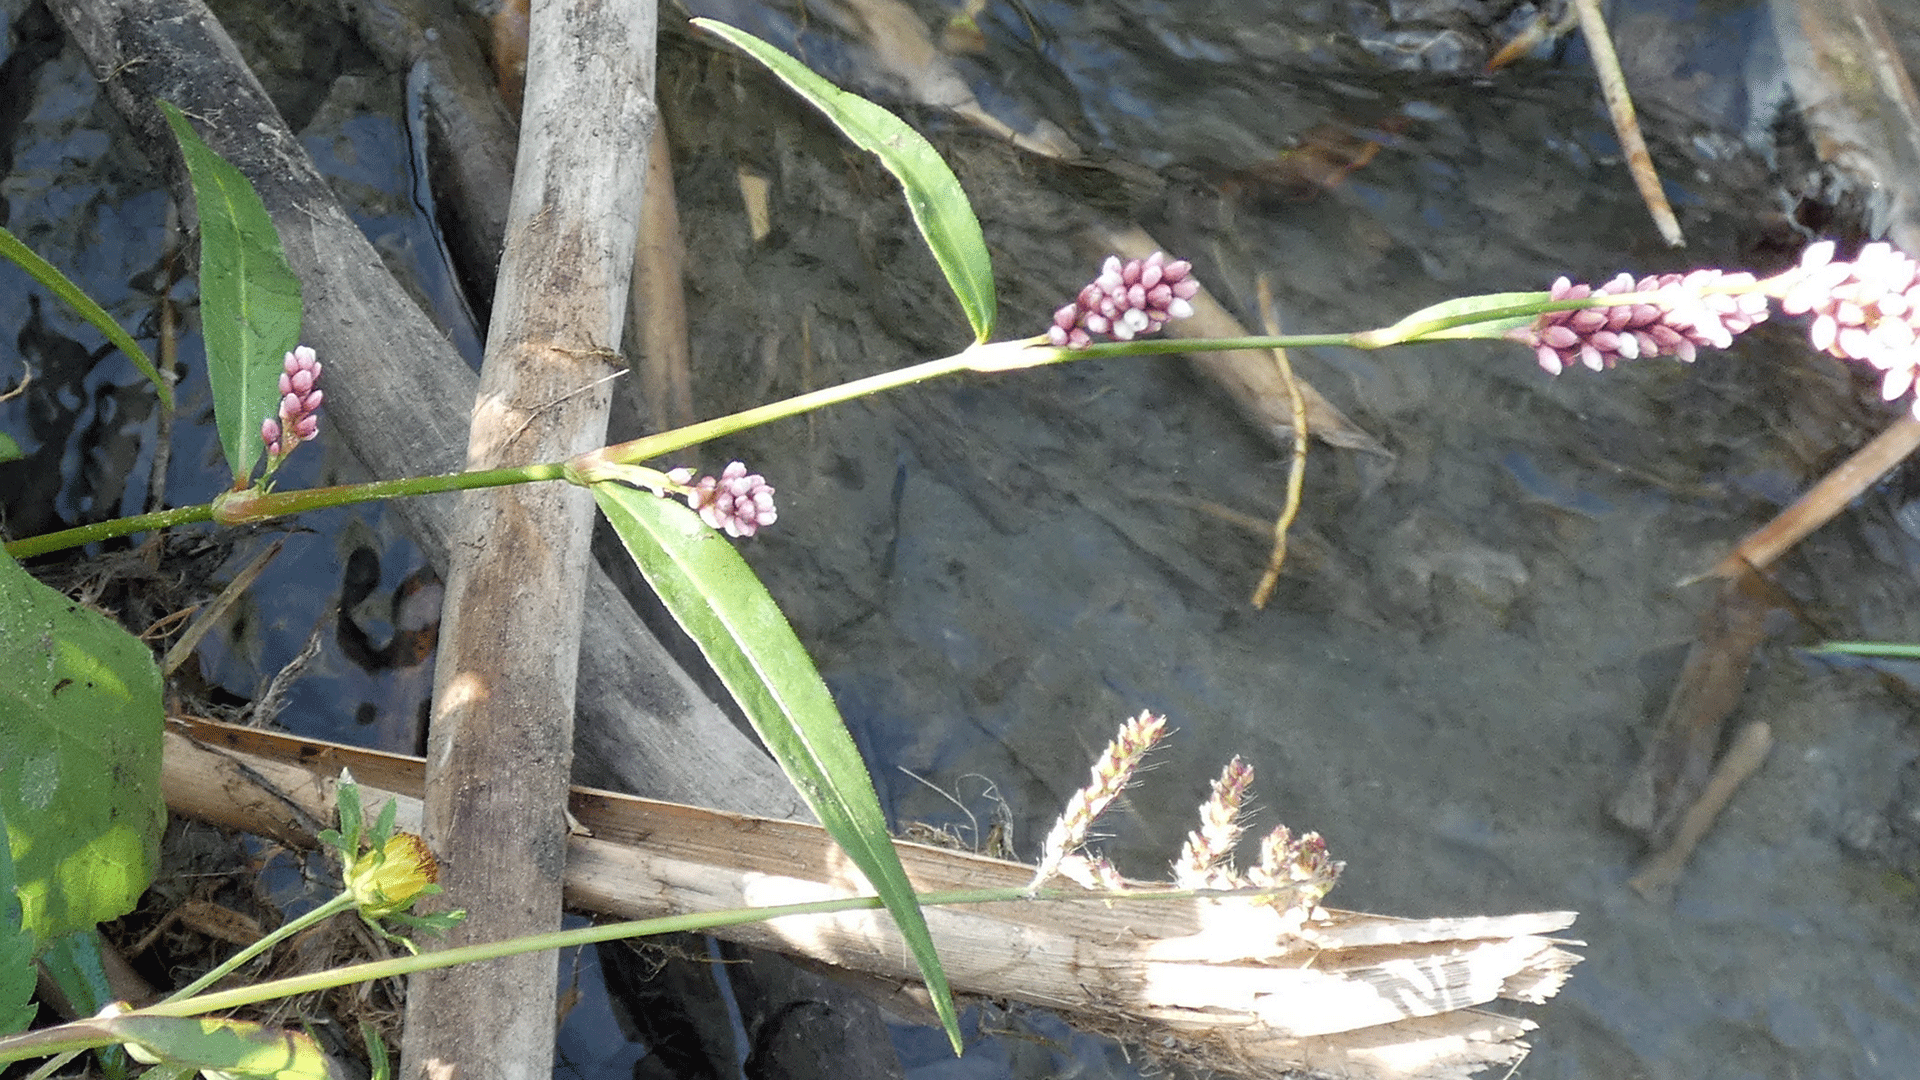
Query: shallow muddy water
point(1474, 636)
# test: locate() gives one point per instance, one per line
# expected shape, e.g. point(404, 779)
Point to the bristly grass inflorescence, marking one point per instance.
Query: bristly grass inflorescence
point(1297, 870)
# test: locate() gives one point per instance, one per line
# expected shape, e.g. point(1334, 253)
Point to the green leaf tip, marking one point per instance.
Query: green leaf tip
point(939, 205)
point(63, 287)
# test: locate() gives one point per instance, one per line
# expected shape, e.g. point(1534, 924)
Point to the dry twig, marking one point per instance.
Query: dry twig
point(1297, 474)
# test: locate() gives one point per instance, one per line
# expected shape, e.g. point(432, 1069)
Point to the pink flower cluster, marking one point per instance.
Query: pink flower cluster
point(737, 501)
point(300, 399)
point(1866, 310)
point(1705, 307)
point(1127, 299)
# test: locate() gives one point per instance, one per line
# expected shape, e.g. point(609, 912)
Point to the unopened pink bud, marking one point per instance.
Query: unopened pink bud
point(300, 400)
point(1127, 299)
point(738, 502)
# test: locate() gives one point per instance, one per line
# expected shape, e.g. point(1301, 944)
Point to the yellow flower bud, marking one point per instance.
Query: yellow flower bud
point(387, 881)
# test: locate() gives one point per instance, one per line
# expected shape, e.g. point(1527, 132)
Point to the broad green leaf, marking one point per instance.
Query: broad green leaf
point(249, 299)
point(50, 276)
point(16, 952)
point(1415, 326)
point(234, 1047)
point(80, 737)
point(934, 195)
point(716, 598)
point(9, 449)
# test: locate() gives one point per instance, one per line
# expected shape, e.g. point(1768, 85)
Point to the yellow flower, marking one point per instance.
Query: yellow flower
point(387, 881)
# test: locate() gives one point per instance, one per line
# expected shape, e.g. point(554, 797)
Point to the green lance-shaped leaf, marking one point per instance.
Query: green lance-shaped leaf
point(80, 738)
point(249, 299)
point(233, 1047)
point(56, 282)
point(934, 195)
point(716, 598)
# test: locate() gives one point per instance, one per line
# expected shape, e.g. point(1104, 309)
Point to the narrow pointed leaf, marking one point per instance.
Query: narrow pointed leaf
point(81, 723)
point(58, 283)
point(1414, 326)
point(939, 206)
point(249, 299)
point(716, 598)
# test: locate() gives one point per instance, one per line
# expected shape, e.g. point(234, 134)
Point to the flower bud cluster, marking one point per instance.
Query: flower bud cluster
point(1705, 307)
point(1866, 310)
point(300, 399)
point(1128, 299)
point(737, 501)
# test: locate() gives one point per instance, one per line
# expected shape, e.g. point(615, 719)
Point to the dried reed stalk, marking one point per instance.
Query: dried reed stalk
point(1219, 982)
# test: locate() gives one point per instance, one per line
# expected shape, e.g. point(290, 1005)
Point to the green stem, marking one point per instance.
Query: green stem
point(80, 1035)
point(102, 530)
point(241, 507)
point(994, 357)
point(666, 442)
point(1896, 650)
point(56, 1063)
point(247, 507)
point(325, 911)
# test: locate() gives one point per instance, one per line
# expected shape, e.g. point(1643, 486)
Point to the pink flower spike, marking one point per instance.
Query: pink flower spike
point(1127, 299)
point(737, 502)
point(300, 400)
point(1862, 309)
point(1702, 308)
